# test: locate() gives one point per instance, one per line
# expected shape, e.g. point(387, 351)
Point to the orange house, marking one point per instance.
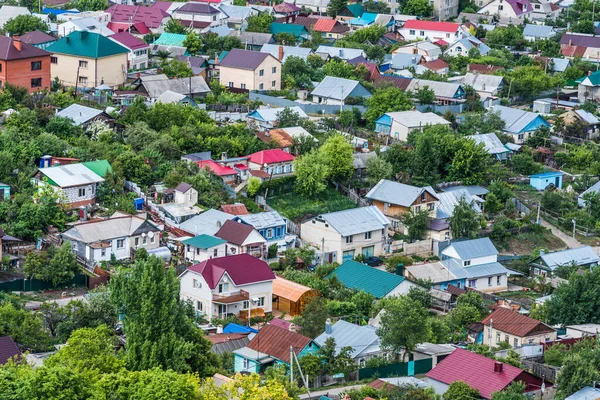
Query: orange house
point(24, 65)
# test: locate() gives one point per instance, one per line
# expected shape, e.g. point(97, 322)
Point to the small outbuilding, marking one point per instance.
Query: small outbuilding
point(291, 297)
point(542, 181)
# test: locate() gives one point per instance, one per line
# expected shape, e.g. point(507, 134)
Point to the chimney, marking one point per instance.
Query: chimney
point(280, 53)
point(216, 58)
point(292, 328)
point(219, 329)
point(542, 252)
point(224, 155)
point(570, 42)
point(498, 367)
point(17, 43)
point(328, 327)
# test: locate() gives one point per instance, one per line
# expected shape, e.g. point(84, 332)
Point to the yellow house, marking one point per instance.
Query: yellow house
point(87, 60)
point(250, 70)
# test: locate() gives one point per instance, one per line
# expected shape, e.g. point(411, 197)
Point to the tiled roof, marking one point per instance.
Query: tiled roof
point(243, 59)
point(129, 41)
point(8, 349)
point(151, 16)
point(243, 269)
point(431, 25)
point(204, 241)
point(355, 275)
point(271, 156)
point(234, 209)
point(234, 232)
point(281, 137)
point(398, 82)
point(515, 324)
point(197, 8)
point(435, 65)
point(37, 37)
point(324, 25)
point(8, 51)
point(276, 342)
point(307, 22)
point(87, 44)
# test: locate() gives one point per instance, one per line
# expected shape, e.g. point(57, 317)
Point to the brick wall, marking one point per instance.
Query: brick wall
point(19, 73)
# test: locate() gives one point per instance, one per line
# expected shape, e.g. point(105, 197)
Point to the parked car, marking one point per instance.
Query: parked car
point(374, 261)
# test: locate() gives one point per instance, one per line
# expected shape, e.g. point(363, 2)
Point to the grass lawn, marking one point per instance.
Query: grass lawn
point(295, 207)
point(525, 243)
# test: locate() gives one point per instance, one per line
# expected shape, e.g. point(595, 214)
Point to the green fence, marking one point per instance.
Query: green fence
point(34, 285)
point(399, 369)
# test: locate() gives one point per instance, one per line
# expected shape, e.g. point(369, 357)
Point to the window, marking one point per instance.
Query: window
point(530, 341)
point(103, 252)
point(472, 282)
point(386, 206)
point(144, 240)
point(246, 363)
point(261, 86)
point(500, 8)
point(261, 301)
point(0, 67)
point(223, 287)
point(498, 279)
point(506, 338)
point(230, 84)
point(81, 192)
point(152, 239)
point(412, 32)
point(199, 306)
point(83, 80)
point(197, 284)
point(36, 65)
point(447, 36)
point(447, 235)
point(497, 337)
point(36, 82)
point(137, 243)
point(349, 239)
point(198, 250)
point(490, 281)
point(466, 263)
point(423, 197)
point(273, 83)
point(431, 206)
point(245, 305)
point(269, 233)
point(215, 252)
point(53, 60)
point(367, 235)
point(520, 137)
point(516, 342)
point(422, 33)
point(274, 70)
point(348, 255)
point(83, 64)
point(120, 243)
point(214, 17)
point(243, 86)
point(418, 209)
point(261, 72)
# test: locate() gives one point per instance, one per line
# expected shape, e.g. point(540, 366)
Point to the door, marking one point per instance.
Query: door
point(368, 251)
point(330, 258)
point(556, 181)
point(222, 310)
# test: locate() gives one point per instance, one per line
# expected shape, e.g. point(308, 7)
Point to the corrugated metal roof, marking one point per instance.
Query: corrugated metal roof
point(492, 144)
point(514, 323)
point(288, 51)
point(414, 119)
point(204, 241)
point(79, 114)
point(436, 272)
point(355, 275)
point(474, 190)
point(449, 200)
point(397, 193)
point(356, 220)
point(441, 89)
point(335, 88)
point(110, 228)
point(588, 117)
point(343, 53)
point(263, 220)
point(403, 60)
point(483, 82)
point(580, 256)
point(271, 114)
point(475, 248)
point(483, 270)
point(586, 393)
point(230, 346)
point(515, 119)
point(156, 88)
point(359, 338)
point(539, 31)
point(209, 222)
point(71, 175)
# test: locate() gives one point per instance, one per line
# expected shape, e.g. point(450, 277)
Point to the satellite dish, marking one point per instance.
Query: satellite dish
point(233, 250)
point(150, 235)
point(143, 235)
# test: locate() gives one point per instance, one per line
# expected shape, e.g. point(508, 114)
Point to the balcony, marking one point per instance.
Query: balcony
point(232, 297)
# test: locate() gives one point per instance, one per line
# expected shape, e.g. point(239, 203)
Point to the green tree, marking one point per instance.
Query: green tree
point(421, 295)
point(339, 69)
point(464, 222)
point(376, 7)
point(576, 373)
point(416, 223)
point(555, 354)
point(310, 174)
point(174, 26)
point(260, 23)
point(62, 266)
point(459, 390)
point(377, 169)
point(470, 162)
point(286, 39)
point(89, 5)
point(335, 6)
point(584, 27)
point(513, 392)
point(337, 155)
point(418, 7)
point(425, 95)
point(574, 302)
point(175, 68)
point(22, 24)
point(384, 100)
point(425, 161)
point(24, 327)
point(523, 163)
point(312, 320)
point(253, 186)
point(193, 43)
point(287, 118)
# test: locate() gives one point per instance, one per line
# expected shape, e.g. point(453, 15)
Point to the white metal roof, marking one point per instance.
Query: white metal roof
point(414, 119)
point(79, 114)
point(356, 220)
point(71, 175)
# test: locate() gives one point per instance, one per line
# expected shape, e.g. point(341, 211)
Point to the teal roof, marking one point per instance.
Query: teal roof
point(99, 167)
point(356, 9)
point(365, 19)
point(296, 30)
point(221, 57)
point(594, 78)
point(171, 39)
point(204, 241)
point(86, 44)
point(355, 275)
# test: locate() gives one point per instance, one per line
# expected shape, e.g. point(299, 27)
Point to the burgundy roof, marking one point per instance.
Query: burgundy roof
point(517, 6)
point(286, 8)
point(580, 40)
point(183, 187)
point(197, 8)
point(436, 65)
point(9, 52)
point(37, 37)
point(194, 24)
point(234, 232)
point(399, 82)
point(514, 323)
point(244, 59)
point(475, 370)
point(455, 290)
point(163, 5)
point(8, 349)
point(243, 269)
point(276, 342)
point(129, 41)
point(151, 16)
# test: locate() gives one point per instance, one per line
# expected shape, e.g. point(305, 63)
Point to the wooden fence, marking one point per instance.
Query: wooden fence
point(548, 372)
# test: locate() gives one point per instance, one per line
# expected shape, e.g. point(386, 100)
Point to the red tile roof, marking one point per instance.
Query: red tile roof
point(276, 342)
point(234, 209)
point(8, 349)
point(324, 25)
point(431, 25)
point(243, 269)
point(477, 371)
point(514, 323)
point(216, 168)
point(271, 156)
point(436, 65)
point(234, 232)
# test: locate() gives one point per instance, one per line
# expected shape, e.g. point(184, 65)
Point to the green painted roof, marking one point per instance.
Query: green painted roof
point(204, 241)
point(171, 39)
point(594, 78)
point(355, 275)
point(99, 167)
point(296, 30)
point(221, 57)
point(356, 9)
point(86, 44)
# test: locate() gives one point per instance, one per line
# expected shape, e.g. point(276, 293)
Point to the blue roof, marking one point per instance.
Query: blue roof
point(587, 392)
point(475, 248)
point(547, 174)
point(58, 11)
point(235, 328)
point(366, 19)
point(359, 338)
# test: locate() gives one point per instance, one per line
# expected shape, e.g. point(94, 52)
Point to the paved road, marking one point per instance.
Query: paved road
point(334, 391)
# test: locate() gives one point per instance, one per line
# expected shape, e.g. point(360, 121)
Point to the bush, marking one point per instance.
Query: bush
point(392, 262)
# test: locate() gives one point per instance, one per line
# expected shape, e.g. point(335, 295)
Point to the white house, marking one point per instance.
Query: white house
point(342, 235)
point(198, 15)
point(242, 238)
point(181, 206)
point(398, 125)
point(138, 49)
point(432, 30)
point(514, 11)
point(333, 90)
point(426, 49)
point(239, 285)
point(204, 247)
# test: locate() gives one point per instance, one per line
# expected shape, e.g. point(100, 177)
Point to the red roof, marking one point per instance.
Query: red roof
point(234, 232)
point(243, 269)
point(216, 168)
point(324, 25)
point(129, 41)
point(234, 209)
point(286, 8)
point(276, 342)
point(441, 42)
point(436, 65)
point(477, 371)
point(271, 156)
point(516, 324)
point(431, 25)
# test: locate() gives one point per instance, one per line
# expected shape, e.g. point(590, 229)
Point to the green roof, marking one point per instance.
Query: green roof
point(594, 78)
point(296, 30)
point(221, 57)
point(86, 44)
point(356, 9)
point(99, 167)
point(355, 275)
point(204, 241)
point(171, 39)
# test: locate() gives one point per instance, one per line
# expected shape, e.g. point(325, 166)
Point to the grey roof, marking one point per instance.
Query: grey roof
point(449, 200)
point(580, 256)
point(251, 354)
point(397, 193)
point(110, 228)
point(470, 42)
point(595, 188)
point(475, 271)
point(483, 82)
point(79, 114)
point(263, 220)
point(560, 64)
point(435, 349)
point(405, 380)
point(475, 248)
point(170, 97)
point(436, 272)
point(515, 120)
point(155, 88)
point(343, 53)
point(441, 89)
point(288, 51)
point(356, 220)
point(243, 59)
point(338, 88)
point(587, 117)
point(221, 30)
point(208, 223)
point(538, 31)
point(236, 13)
point(413, 119)
point(587, 393)
point(174, 51)
point(271, 114)
point(473, 190)
point(404, 60)
point(71, 175)
point(230, 346)
point(255, 38)
point(513, 146)
point(9, 12)
point(162, 252)
point(360, 159)
point(362, 339)
point(490, 141)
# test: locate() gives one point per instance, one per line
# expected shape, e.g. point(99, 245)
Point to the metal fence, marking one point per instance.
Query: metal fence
point(410, 368)
point(309, 108)
point(34, 285)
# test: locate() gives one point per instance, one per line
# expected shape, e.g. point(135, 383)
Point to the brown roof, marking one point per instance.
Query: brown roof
point(454, 290)
point(234, 232)
point(9, 349)
point(436, 65)
point(225, 337)
point(281, 137)
point(308, 22)
point(234, 209)
point(259, 173)
point(276, 342)
point(484, 68)
point(289, 290)
point(8, 51)
point(516, 324)
point(183, 187)
point(396, 81)
point(244, 59)
point(380, 384)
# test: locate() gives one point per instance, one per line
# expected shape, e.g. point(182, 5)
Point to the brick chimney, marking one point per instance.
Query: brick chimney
point(216, 58)
point(17, 43)
point(498, 367)
point(280, 53)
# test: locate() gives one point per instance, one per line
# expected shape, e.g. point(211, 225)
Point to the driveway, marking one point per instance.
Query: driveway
point(568, 239)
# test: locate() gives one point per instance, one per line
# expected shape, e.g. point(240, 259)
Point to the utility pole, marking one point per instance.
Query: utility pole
point(292, 365)
point(537, 221)
point(322, 251)
point(304, 379)
point(574, 227)
point(490, 334)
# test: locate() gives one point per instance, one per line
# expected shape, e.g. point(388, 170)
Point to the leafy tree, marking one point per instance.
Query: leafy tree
point(425, 161)
point(376, 53)
point(312, 320)
point(310, 174)
point(335, 6)
point(286, 39)
point(416, 223)
point(339, 69)
point(459, 390)
point(337, 154)
point(386, 100)
point(175, 68)
point(253, 186)
point(260, 23)
point(464, 222)
point(62, 266)
point(421, 8)
point(584, 27)
point(287, 118)
point(88, 5)
point(376, 7)
point(470, 163)
point(555, 354)
point(421, 295)
point(377, 169)
point(193, 43)
point(523, 163)
point(573, 302)
point(24, 327)
point(363, 302)
point(576, 373)
point(174, 26)
point(22, 24)
point(482, 122)
point(425, 95)
point(513, 392)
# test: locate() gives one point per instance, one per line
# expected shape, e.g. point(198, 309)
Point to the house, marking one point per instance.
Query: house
point(291, 297)
point(38, 39)
point(230, 175)
point(288, 11)
point(445, 92)
point(484, 374)
point(227, 342)
point(183, 204)
point(366, 19)
point(275, 162)
point(239, 285)
point(582, 45)
point(588, 87)
point(170, 97)
point(483, 69)
point(284, 138)
point(363, 340)
point(438, 273)
point(242, 239)
point(153, 18)
point(445, 10)
point(516, 329)
point(138, 49)
point(438, 66)
point(355, 275)
point(545, 10)
point(199, 15)
point(198, 64)
point(156, 86)
point(350, 11)
point(271, 226)
point(271, 346)
point(90, 57)
point(9, 12)
point(432, 30)
point(359, 162)
point(76, 184)
point(436, 352)
point(234, 209)
point(519, 124)
point(332, 90)
point(209, 222)
point(8, 350)
point(342, 235)
point(462, 46)
point(330, 28)
point(587, 392)
point(449, 199)
point(203, 247)
point(24, 65)
point(546, 263)
point(532, 32)
point(283, 52)
point(339, 52)
point(398, 125)
point(589, 123)
point(250, 70)
point(485, 85)
point(514, 11)
point(118, 236)
point(255, 40)
point(87, 24)
point(402, 61)
point(428, 50)
point(595, 188)
point(493, 146)
point(83, 116)
point(546, 179)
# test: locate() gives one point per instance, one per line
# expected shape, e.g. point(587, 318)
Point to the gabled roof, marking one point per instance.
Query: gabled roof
point(520, 6)
point(339, 88)
point(234, 209)
point(483, 68)
point(87, 44)
point(515, 120)
point(286, 8)
point(490, 141)
point(579, 256)
point(110, 228)
point(435, 65)
point(79, 114)
point(243, 269)
point(151, 16)
point(8, 349)
point(432, 26)
point(539, 31)
point(292, 29)
point(209, 222)
point(271, 156)
point(475, 370)
point(256, 38)
point(156, 87)
point(216, 168)
point(343, 53)
point(483, 82)
point(276, 342)
point(9, 52)
point(288, 51)
point(397, 193)
point(362, 339)
point(441, 89)
point(204, 241)
point(170, 39)
point(516, 324)
point(356, 220)
point(580, 40)
point(329, 25)
point(37, 37)
point(289, 290)
point(475, 248)
point(128, 40)
point(415, 119)
point(263, 220)
point(404, 60)
point(99, 167)
point(355, 275)
point(244, 59)
point(235, 232)
point(272, 114)
point(354, 10)
point(197, 8)
point(450, 199)
point(70, 175)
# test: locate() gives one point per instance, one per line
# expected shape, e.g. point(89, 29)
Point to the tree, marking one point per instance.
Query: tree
point(574, 302)
point(337, 155)
point(174, 26)
point(175, 68)
point(425, 95)
point(386, 100)
point(469, 308)
point(260, 23)
point(376, 7)
point(62, 266)
point(459, 390)
point(464, 222)
point(403, 325)
point(576, 373)
point(193, 43)
point(377, 169)
point(420, 295)
point(339, 69)
point(555, 354)
point(24, 327)
point(425, 161)
point(22, 24)
point(514, 391)
point(253, 186)
point(287, 118)
point(469, 163)
point(312, 320)
point(584, 27)
point(416, 222)
point(421, 8)
point(89, 5)
point(286, 39)
point(335, 6)
point(523, 163)
point(310, 174)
